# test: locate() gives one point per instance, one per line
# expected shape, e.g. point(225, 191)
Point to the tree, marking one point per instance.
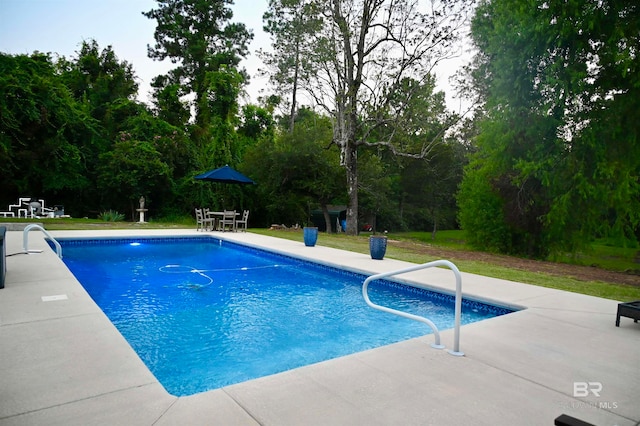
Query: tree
point(365, 50)
point(132, 169)
point(197, 36)
point(257, 122)
point(558, 147)
point(296, 170)
point(379, 187)
point(97, 78)
point(221, 109)
point(106, 88)
point(292, 24)
point(168, 101)
point(43, 131)
point(429, 188)
point(422, 187)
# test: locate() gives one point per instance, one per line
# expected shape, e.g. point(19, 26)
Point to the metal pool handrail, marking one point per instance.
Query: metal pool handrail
point(458, 304)
point(25, 239)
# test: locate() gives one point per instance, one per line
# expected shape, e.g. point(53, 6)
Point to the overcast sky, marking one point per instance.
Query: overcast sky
point(60, 26)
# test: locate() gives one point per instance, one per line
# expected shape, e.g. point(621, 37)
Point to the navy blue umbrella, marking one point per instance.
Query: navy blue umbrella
point(225, 175)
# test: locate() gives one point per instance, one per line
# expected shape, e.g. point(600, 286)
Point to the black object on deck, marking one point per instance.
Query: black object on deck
point(564, 420)
point(3, 253)
point(629, 310)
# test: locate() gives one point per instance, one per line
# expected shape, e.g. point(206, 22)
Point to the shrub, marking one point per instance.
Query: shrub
point(111, 216)
point(481, 213)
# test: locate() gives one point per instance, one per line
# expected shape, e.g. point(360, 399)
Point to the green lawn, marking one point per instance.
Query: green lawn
point(455, 240)
point(602, 253)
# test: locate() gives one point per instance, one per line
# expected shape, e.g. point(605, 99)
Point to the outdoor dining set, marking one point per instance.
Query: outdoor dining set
point(226, 220)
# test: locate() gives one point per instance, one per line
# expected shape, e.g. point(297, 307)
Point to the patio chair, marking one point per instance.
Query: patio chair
point(203, 222)
point(208, 219)
point(227, 221)
point(199, 221)
point(242, 222)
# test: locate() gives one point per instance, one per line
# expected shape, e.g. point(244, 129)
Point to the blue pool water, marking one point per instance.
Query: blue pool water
point(203, 314)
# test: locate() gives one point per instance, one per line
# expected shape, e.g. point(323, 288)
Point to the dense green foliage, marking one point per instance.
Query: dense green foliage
point(552, 155)
point(296, 171)
point(111, 150)
point(558, 155)
point(68, 130)
point(207, 48)
point(46, 135)
point(199, 37)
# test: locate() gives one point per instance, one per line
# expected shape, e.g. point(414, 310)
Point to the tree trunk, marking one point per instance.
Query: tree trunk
point(435, 228)
point(351, 166)
point(327, 217)
point(294, 90)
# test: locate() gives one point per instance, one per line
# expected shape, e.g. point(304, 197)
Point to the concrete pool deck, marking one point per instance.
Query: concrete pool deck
point(62, 362)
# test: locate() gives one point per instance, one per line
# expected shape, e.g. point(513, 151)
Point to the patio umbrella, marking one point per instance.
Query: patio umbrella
point(225, 175)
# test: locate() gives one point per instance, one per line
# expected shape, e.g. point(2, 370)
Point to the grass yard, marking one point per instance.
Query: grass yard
point(420, 248)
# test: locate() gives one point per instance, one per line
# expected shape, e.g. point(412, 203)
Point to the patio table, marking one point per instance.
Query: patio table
point(217, 216)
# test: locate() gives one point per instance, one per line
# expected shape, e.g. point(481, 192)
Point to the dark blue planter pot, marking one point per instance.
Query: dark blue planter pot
point(377, 247)
point(310, 236)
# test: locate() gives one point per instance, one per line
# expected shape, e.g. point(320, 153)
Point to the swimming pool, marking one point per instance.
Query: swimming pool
point(203, 313)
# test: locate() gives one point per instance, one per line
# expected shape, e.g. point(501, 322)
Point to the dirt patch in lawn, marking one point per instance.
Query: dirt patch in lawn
point(583, 273)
